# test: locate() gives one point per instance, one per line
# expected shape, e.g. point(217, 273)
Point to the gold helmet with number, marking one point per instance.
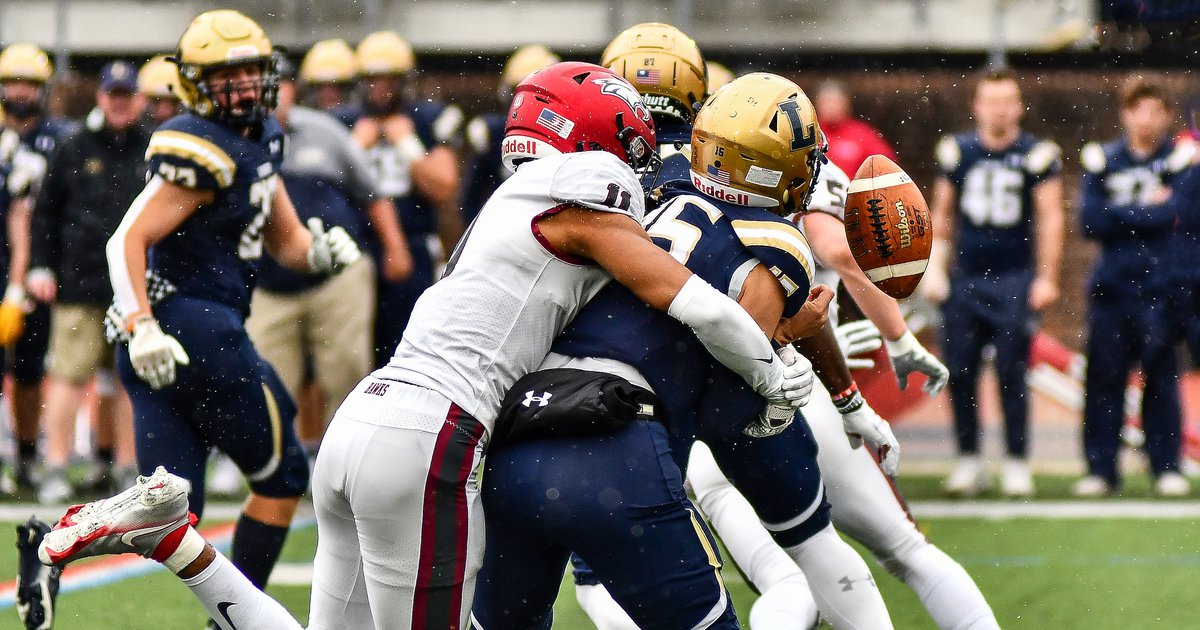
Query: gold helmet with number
point(158, 78)
point(756, 142)
point(223, 39)
point(384, 53)
point(25, 62)
point(665, 66)
point(718, 76)
point(329, 61)
point(524, 62)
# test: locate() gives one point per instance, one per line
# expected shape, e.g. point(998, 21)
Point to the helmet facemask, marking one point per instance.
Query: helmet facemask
point(246, 111)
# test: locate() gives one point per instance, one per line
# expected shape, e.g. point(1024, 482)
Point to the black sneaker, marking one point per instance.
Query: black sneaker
point(37, 584)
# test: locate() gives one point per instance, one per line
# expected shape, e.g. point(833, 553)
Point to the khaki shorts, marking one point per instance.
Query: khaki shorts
point(77, 344)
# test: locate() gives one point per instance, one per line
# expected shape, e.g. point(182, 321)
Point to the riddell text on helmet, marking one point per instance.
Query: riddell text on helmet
point(519, 145)
point(723, 194)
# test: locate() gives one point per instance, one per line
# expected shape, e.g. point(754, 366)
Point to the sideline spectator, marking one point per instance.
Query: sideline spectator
point(93, 178)
point(25, 73)
point(851, 140)
point(328, 73)
point(1126, 208)
point(411, 144)
point(298, 317)
point(999, 202)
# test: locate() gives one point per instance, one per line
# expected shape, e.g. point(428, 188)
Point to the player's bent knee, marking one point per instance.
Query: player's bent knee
point(289, 480)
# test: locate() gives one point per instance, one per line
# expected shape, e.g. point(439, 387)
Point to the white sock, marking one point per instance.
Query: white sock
point(786, 606)
point(230, 598)
point(945, 588)
point(602, 609)
point(841, 582)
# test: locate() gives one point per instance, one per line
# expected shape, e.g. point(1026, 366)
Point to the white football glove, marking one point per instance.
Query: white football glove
point(908, 356)
point(154, 353)
point(331, 251)
point(797, 378)
point(862, 424)
point(781, 409)
point(858, 337)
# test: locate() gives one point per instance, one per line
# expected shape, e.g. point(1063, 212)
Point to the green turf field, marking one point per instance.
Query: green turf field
point(1036, 572)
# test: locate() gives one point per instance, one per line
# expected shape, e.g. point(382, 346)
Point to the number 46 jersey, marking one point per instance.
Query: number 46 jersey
point(993, 226)
point(215, 253)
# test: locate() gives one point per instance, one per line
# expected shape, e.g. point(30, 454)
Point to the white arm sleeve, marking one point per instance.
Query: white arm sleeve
point(118, 270)
point(729, 334)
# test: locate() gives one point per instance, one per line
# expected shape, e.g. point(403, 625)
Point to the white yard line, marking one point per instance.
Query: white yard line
point(1000, 510)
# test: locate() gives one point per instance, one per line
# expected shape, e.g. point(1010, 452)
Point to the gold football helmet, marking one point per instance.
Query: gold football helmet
point(221, 39)
point(718, 76)
point(384, 53)
point(756, 142)
point(328, 61)
point(158, 78)
point(665, 66)
point(25, 62)
point(524, 62)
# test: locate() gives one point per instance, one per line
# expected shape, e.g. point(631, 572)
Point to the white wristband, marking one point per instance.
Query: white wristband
point(905, 344)
point(411, 149)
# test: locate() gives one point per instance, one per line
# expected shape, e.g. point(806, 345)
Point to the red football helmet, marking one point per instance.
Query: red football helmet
point(574, 106)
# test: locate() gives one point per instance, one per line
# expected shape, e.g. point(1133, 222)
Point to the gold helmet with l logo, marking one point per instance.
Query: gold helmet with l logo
point(756, 142)
point(524, 62)
point(665, 66)
point(158, 78)
point(328, 61)
point(25, 62)
point(384, 53)
point(222, 39)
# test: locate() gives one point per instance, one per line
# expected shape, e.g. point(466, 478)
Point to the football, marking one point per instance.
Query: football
point(888, 226)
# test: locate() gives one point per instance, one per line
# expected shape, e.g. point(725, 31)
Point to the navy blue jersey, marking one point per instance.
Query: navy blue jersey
point(486, 170)
point(346, 114)
point(436, 125)
point(45, 136)
point(994, 220)
point(719, 242)
point(215, 252)
point(1119, 211)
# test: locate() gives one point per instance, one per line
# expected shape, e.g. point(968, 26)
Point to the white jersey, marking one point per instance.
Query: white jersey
point(829, 197)
point(507, 294)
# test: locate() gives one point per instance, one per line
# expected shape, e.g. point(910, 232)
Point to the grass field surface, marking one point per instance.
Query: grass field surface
point(1037, 572)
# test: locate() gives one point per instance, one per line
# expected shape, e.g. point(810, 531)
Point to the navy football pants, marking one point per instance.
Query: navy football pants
point(983, 310)
point(1126, 330)
point(228, 397)
point(617, 500)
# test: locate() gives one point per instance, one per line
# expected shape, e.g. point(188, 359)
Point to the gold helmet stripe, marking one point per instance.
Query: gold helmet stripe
point(198, 150)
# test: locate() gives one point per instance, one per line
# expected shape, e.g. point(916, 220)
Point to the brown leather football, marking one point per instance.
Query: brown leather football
point(888, 226)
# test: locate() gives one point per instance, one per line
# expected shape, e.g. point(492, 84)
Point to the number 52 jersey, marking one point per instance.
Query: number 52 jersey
point(215, 253)
point(993, 227)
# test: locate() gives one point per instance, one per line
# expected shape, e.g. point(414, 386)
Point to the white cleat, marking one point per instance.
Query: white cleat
point(1091, 486)
point(1172, 484)
point(136, 521)
point(969, 477)
point(1016, 480)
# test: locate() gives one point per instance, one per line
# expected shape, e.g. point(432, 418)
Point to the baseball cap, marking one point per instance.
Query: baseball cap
point(118, 75)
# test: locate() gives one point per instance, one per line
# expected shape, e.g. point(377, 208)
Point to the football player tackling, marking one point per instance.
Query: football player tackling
point(397, 503)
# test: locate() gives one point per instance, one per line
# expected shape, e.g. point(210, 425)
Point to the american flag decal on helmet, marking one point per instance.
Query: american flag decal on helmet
point(647, 75)
point(555, 122)
point(718, 175)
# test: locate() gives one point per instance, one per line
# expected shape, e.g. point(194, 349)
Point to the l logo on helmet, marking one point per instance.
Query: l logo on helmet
point(802, 136)
point(622, 90)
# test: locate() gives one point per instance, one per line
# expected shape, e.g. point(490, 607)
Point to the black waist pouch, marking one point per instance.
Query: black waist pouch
point(564, 402)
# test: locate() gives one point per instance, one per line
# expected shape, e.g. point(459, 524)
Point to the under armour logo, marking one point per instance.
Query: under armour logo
point(541, 401)
point(848, 584)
